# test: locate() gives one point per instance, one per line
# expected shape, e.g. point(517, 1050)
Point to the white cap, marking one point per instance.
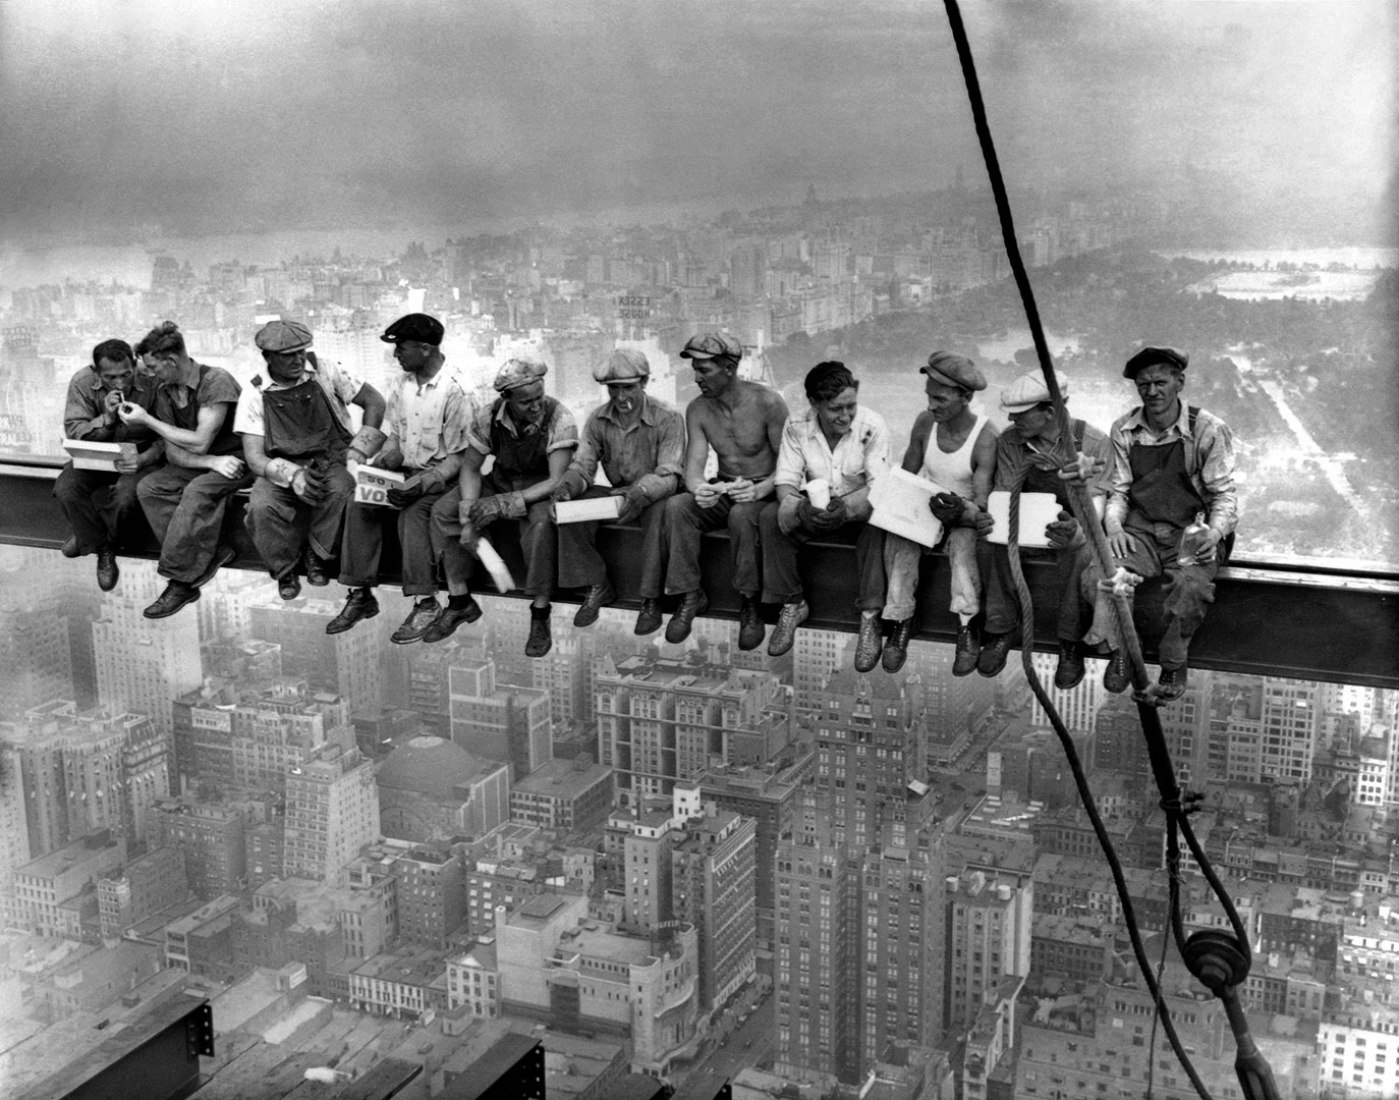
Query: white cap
point(1029, 390)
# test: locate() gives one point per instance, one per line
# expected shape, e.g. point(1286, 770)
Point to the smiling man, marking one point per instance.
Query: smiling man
point(639, 442)
point(1170, 463)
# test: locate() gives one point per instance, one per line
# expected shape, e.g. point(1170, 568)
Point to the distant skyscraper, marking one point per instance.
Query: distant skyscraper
point(347, 664)
point(499, 721)
point(34, 641)
point(332, 812)
point(988, 937)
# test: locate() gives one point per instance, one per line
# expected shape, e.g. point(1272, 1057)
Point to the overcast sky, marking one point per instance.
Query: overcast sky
point(244, 114)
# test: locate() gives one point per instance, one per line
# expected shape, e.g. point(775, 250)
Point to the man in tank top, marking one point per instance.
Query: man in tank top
point(956, 448)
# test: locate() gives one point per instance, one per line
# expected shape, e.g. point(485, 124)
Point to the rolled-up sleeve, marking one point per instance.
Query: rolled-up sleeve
point(1216, 462)
point(563, 431)
point(791, 460)
point(582, 471)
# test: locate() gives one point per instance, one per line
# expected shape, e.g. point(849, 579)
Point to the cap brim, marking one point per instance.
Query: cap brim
point(688, 354)
point(1025, 406)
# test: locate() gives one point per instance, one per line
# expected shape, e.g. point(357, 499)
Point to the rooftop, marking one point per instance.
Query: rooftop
point(562, 778)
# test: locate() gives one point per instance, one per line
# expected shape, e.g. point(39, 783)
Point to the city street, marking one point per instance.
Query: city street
point(747, 1045)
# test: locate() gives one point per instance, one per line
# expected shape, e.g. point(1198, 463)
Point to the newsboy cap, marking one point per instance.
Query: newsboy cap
point(418, 327)
point(623, 365)
point(283, 336)
point(952, 369)
point(1029, 390)
point(1151, 356)
point(515, 373)
point(710, 345)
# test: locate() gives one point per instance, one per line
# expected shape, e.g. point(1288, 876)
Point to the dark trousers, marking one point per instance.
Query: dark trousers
point(1003, 603)
point(1187, 591)
point(686, 522)
point(100, 507)
point(781, 581)
point(281, 523)
point(580, 565)
point(536, 531)
point(363, 542)
point(186, 510)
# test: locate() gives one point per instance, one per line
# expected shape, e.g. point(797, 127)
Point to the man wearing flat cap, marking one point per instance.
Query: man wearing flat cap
point(297, 435)
point(743, 422)
point(956, 448)
point(1029, 457)
point(532, 438)
point(426, 420)
point(1171, 463)
point(640, 444)
point(843, 446)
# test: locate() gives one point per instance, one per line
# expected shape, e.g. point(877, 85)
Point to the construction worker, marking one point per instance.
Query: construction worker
point(297, 435)
point(956, 448)
point(640, 443)
point(845, 445)
point(533, 438)
point(428, 411)
point(1029, 458)
point(1170, 464)
point(186, 499)
point(743, 422)
point(101, 506)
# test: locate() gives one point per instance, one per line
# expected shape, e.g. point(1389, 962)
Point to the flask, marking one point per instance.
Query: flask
point(1191, 540)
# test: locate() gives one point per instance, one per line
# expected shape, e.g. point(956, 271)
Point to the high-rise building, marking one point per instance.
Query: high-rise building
point(14, 824)
point(348, 665)
point(989, 930)
point(212, 839)
point(815, 655)
point(499, 721)
point(34, 638)
point(431, 896)
point(332, 812)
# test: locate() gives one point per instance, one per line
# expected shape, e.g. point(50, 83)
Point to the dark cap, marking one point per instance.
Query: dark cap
point(952, 369)
point(1150, 357)
point(283, 336)
point(414, 326)
point(711, 345)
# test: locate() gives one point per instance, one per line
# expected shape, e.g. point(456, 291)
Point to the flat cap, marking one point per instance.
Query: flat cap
point(283, 336)
point(952, 369)
point(1151, 356)
point(518, 372)
point(1029, 390)
point(710, 345)
point(418, 327)
point(623, 365)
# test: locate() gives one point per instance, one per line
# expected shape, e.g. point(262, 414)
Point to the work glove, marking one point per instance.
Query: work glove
point(563, 491)
point(501, 506)
point(1063, 533)
point(633, 503)
point(947, 508)
point(983, 523)
point(411, 490)
point(308, 484)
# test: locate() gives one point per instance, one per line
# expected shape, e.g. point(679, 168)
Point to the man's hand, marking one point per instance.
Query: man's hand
point(742, 491)
point(1209, 544)
point(947, 508)
point(562, 492)
point(125, 465)
point(830, 517)
point(132, 413)
point(984, 523)
point(707, 496)
point(469, 535)
point(1083, 469)
point(408, 492)
point(1121, 543)
point(308, 485)
point(633, 503)
point(485, 511)
point(110, 404)
point(1062, 532)
point(229, 466)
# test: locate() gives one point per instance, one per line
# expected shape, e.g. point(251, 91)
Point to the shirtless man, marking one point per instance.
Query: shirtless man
point(956, 448)
point(743, 422)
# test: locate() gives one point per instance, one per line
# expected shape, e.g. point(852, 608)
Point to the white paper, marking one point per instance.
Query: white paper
point(495, 565)
point(372, 485)
point(88, 454)
point(587, 510)
point(900, 502)
point(1037, 510)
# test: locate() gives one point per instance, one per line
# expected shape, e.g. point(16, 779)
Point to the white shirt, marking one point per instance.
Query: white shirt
point(860, 456)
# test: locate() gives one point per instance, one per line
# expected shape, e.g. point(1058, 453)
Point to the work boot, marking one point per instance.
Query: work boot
point(224, 555)
point(785, 632)
point(108, 573)
point(896, 648)
point(648, 619)
point(694, 603)
point(1116, 678)
point(750, 624)
point(994, 650)
point(450, 618)
point(870, 643)
point(289, 585)
point(360, 605)
point(423, 615)
point(1068, 673)
point(598, 597)
point(968, 650)
point(540, 639)
point(1171, 686)
point(175, 596)
point(69, 549)
point(316, 575)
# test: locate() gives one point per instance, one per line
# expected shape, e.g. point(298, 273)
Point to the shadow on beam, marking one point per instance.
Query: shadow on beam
point(1310, 620)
